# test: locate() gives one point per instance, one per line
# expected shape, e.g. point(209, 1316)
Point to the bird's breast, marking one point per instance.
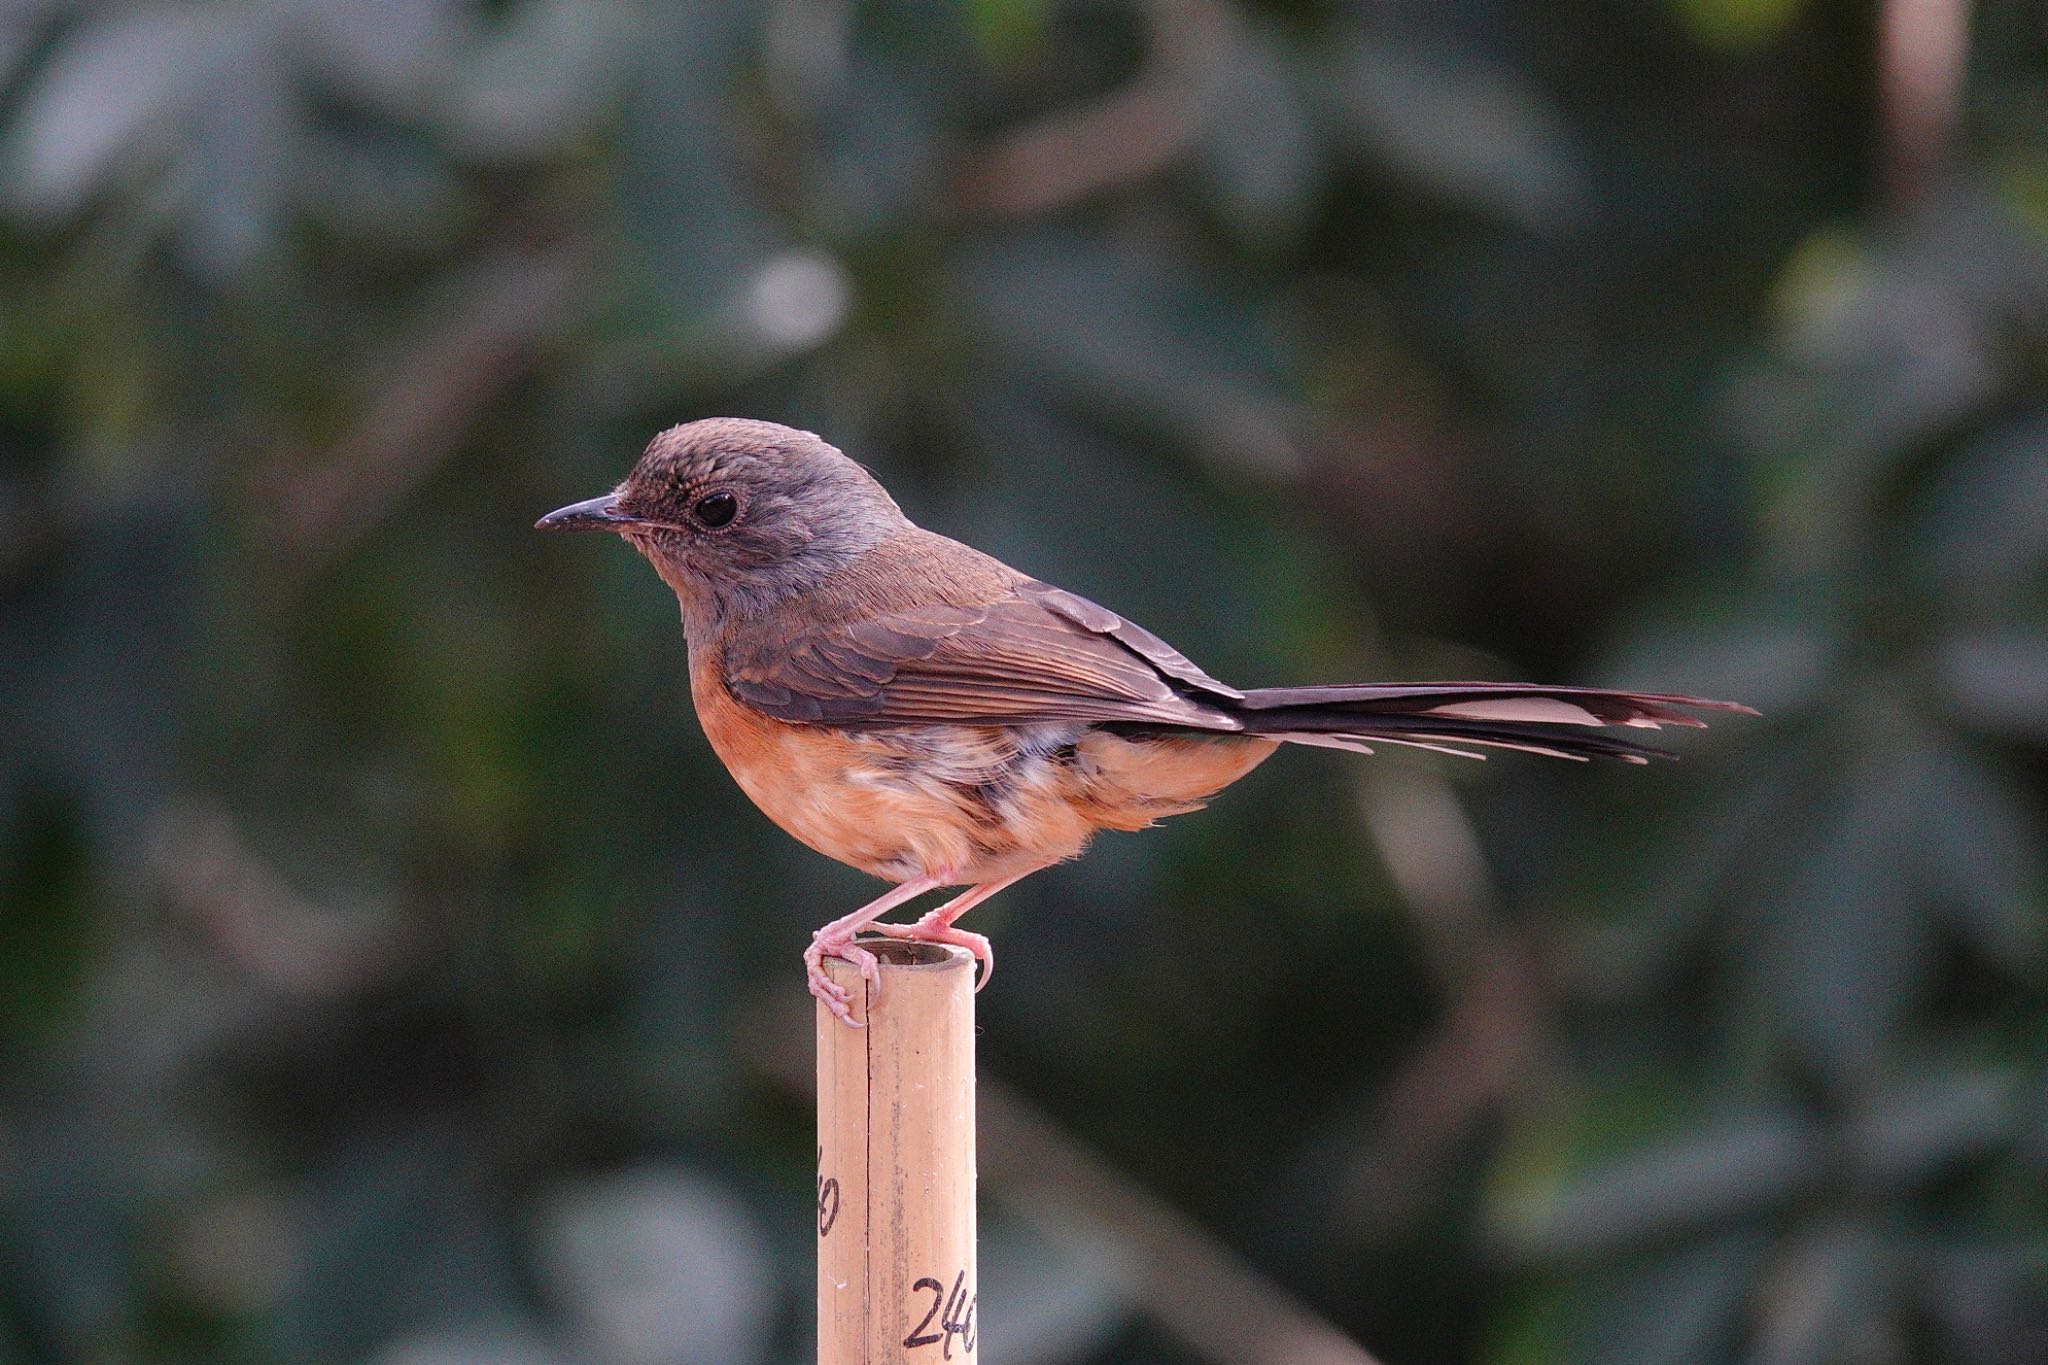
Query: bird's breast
point(972, 803)
point(896, 803)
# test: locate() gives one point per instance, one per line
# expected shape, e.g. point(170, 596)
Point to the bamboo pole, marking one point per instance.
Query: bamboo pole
point(896, 1272)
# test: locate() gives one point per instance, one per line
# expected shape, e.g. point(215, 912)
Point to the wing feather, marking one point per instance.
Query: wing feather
point(1037, 655)
point(1099, 619)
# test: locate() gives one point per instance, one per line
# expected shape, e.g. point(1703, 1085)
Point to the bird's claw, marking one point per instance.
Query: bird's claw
point(928, 931)
point(834, 996)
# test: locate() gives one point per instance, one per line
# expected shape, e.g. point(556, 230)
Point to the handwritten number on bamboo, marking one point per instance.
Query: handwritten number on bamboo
point(828, 1197)
point(954, 1311)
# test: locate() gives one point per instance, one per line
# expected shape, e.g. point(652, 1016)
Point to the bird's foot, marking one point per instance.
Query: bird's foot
point(828, 942)
point(937, 927)
point(836, 940)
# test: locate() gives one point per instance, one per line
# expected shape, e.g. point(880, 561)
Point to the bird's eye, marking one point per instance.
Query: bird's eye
point(714, 510)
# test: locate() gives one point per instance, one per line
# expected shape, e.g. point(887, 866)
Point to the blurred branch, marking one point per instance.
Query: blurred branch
point(1434, 857)
point(434, 387)
point(1193, 1287)
point(1922, 49)
point(252, 916)
point(1491, 1030)
point(1127, 135)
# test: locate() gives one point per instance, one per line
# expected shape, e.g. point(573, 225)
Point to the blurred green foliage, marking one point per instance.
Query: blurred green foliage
point(388, 972)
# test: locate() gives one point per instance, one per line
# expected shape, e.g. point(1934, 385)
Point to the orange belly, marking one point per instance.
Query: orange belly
point(964, 802)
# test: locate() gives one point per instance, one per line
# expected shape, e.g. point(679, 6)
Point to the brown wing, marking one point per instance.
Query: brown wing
point(1038, 655)
point(1140, 641)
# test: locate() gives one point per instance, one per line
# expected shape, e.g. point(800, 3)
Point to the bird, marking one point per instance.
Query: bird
point(923, 712)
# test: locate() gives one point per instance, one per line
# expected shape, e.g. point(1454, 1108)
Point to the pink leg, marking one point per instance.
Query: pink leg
point(937, 926)
point(836, 940)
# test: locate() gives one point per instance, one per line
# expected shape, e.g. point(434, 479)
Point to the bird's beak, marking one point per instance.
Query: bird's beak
point(592, 514)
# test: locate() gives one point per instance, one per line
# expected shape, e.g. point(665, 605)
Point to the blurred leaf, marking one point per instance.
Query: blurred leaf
point(1675, 1310)
point(1998, 682)
point(1987, 1300)
point(1728, 855)
point(881, 154)
point(106, 96)
point(1475, 131)
point(1261, 157)
point(657, 1266)
point(1719, 1169)
point(693, 226)
point(540, 79)
point(1978, 855)
point(393, 54)
point(1155, 343)
point(1738, 25)
point(1913, 1132)
point(380, 192)
point(1010, 31)
point(1881, 356)
point(1983, 538)
point(1765, 649)
point(1844, 948)
point(1817, 1298)
point(21, 26)
point(237, 161)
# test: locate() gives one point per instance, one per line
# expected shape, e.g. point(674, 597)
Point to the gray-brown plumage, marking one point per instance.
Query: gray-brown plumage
point(913, 707)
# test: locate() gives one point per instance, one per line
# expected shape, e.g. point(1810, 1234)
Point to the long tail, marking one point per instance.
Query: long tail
point(1456, 717)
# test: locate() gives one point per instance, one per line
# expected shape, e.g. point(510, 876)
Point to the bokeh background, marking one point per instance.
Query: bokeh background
point(388, 972)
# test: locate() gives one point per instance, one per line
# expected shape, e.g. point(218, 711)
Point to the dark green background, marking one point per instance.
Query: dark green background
point(389, 973)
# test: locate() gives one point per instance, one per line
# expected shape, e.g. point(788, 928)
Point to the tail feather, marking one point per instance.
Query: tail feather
point(1455, 717)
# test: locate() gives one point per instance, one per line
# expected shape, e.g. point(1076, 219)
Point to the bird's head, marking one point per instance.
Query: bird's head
point(738, 514)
